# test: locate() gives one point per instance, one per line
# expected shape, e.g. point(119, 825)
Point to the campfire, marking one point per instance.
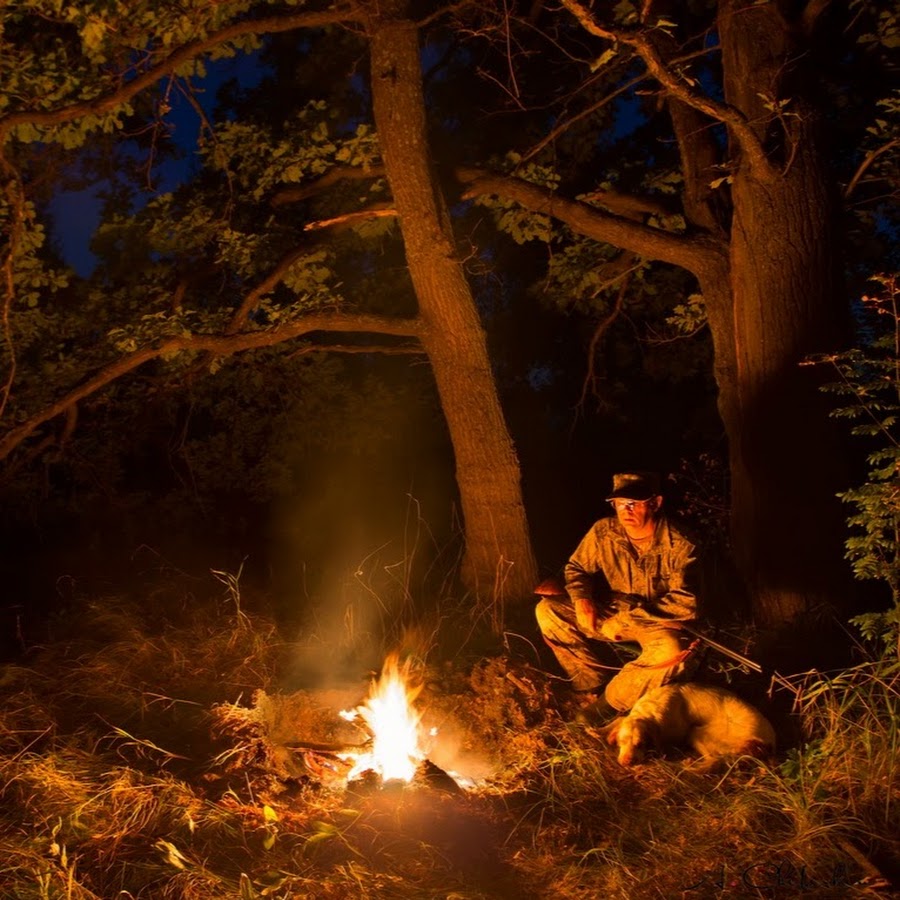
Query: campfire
point(395, 746)
point(393, 722)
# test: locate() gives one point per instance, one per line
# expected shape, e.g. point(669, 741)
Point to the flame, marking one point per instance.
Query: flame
point(393, 721)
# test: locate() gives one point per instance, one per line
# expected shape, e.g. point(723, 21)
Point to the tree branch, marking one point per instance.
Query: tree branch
point(269, 283)
point(219, 344)
point(577, 117)
point(381, 349)
point(332, 177)
point(699, 253)
point(184, 54)
point(590, 377)
point(678, 87)
point(373, 212)
point(603, 101)
point(631, 206)
point(15, 199)
point(871, 156)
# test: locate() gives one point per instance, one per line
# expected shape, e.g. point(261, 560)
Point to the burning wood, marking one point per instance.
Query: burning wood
point(393, 721)
point(392, 754)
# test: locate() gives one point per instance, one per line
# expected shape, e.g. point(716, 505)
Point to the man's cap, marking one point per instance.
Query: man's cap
point(635, 486)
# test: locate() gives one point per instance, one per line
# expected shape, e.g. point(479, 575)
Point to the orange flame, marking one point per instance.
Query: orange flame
point(394, 724)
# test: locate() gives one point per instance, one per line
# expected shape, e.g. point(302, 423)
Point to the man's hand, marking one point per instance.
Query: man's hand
point(586, 616)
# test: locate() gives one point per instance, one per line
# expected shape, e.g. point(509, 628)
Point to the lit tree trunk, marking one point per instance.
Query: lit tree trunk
point(498, 561)
point(769, 277)
point(784, 286)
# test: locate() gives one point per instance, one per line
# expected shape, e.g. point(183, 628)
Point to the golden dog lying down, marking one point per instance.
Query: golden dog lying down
point(708, 719)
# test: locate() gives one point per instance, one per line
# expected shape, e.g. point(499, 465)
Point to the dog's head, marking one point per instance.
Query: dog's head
point(634, 737)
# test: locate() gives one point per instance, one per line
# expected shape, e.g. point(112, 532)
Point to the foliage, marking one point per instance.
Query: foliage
point(870, 384)
point(701, 496)
point(520, 224)
point(176, 264)
point(31, 280)
point(688, 317)
point(181, 262)
point(259, 161)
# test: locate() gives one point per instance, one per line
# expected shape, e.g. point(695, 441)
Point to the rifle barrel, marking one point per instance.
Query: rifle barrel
point(721, 648)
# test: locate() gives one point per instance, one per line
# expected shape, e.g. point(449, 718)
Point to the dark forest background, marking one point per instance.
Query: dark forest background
point(319, 470)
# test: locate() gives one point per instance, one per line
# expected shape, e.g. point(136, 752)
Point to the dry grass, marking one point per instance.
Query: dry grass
point(149, 756)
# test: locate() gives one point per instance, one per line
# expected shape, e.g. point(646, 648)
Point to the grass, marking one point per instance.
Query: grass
point(145, 752)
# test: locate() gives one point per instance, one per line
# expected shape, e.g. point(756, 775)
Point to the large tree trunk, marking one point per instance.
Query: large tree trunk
point(769, 271)
point(784, 279)
point(498, 562)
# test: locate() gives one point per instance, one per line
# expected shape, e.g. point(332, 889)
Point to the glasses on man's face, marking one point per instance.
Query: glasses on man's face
point(628, 505)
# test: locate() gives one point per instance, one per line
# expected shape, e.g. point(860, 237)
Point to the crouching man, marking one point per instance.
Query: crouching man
point(629, 580)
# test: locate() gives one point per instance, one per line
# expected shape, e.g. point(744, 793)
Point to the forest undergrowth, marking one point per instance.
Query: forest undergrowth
point(159, 746)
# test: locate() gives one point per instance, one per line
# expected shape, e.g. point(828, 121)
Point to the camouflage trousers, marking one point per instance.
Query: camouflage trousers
point(659, 662)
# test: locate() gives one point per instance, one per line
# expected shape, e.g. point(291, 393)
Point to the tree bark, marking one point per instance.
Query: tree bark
point(765, 315)
point(498, 562)
point(785, 288)
point(770, 280)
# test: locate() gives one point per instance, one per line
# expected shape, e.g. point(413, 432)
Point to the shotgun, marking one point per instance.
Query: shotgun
point(553, 587)
point(720, 648)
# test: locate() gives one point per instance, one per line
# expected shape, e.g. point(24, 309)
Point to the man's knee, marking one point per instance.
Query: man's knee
point(633, 680)
point(622, 693)
point(540, 612)
point(665, 646)
point(548, 614)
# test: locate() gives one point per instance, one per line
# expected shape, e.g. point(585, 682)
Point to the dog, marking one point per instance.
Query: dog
point(713, 722)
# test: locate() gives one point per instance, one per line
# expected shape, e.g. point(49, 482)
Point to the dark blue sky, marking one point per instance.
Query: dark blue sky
point(76, 214)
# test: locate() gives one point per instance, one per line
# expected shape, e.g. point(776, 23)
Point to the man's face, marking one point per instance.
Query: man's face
point(636, 515)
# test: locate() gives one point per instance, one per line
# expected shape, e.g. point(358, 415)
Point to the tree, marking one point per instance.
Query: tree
point(745, 91)
point(487, 468)
point(120, 54)
point(759, 227)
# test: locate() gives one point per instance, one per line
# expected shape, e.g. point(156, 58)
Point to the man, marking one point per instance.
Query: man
point(629, 580)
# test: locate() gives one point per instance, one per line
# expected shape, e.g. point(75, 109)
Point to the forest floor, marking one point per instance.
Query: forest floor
point(160, 747)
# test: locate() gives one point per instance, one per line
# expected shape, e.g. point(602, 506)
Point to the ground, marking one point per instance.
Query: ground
point(157, 746)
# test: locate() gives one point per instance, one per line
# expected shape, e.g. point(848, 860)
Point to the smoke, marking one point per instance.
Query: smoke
point(351, 574)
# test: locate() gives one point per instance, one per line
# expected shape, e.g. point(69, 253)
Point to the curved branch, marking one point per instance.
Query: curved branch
point(701, 254)
point(679, 88)
point(332, 177)
point(219, 344)
point(599, 104)
point(269, 283)
point(577, 117)
point(590, 377)
point(15, 200)
point(866, 163)
point(184, 54)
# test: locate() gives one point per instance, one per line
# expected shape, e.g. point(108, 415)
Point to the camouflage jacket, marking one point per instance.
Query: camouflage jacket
point(650, 588)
